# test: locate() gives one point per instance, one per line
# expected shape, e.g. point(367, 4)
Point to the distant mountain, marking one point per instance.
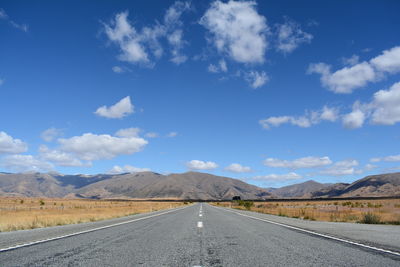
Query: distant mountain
point(371, 186)
point(143, 185)
point(189, 185)
point(302, 190)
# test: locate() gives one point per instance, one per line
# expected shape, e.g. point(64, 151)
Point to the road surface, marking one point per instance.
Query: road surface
point(198, 235)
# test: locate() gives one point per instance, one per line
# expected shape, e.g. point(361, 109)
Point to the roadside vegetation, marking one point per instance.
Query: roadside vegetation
point(383, 211)
point(29, 213)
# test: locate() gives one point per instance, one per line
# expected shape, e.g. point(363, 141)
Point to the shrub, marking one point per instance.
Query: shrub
point(248, 204)
point(370, 218)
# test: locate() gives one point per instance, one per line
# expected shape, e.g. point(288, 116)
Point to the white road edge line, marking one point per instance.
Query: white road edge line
point(315, 233)
point(85, 231)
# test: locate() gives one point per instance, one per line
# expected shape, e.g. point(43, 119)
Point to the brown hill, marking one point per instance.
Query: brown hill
point(302, 190)
point(190, 185)
point(381, 185)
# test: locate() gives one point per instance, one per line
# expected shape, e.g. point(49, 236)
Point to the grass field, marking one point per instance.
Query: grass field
point(385, 211)
point(29, 213)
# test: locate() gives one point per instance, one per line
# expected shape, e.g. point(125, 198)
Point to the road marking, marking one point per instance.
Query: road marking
point(317, 234)
point(200, 224)
point(201, 215)
point(85, 231)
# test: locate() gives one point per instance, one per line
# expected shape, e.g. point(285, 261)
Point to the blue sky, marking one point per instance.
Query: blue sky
point(270, 92)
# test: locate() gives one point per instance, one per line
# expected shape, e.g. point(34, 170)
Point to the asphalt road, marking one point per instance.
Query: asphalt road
point(181, 237)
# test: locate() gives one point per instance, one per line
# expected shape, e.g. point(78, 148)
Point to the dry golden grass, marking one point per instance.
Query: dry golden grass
point(387, 210)
point(29, 213)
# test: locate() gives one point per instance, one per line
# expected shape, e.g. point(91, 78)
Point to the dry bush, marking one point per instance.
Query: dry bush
point(29, 213)
point(387, 210)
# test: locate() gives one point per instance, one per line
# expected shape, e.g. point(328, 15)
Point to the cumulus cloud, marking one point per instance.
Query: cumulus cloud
point(304, 121)
point(143, 46)
point(25, 163)
point(236, 167)
point(393, 158)
point(354, 119)
point(386, 106)
point(121, 109)
point(59, 158)
point(51, 134)
point(95, 147)
point(10, 145)
point(347, 79)
point(306, 162)
point(290, 36)
point(127, 169)
point(384, 109)
point(237, 30)
point(278, 177)
point(201, 165)
point(388, 61)
point(342, 168)
point(256, 79)
point(128, 132)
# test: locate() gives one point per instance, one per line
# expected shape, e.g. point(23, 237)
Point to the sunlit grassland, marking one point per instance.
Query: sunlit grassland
point(386, 211)
point(29, 213)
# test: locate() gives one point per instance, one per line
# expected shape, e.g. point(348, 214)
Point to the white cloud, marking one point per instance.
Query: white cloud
point(341, 168)
point(117, 69)
point(151, 135)
point(119, 110)
point(384, 109)
point(386, 106)
point(9, 145)
point(59, 158)
point(143, 46)
point(237, 30)
point(24, 163)
point(304, 121)
point(278, 177)
point(354, 119)
point(256, 79)
point(393, 158)
point(347, 79)
point(50, 134)
point(388, 61)
point(172, 134)
point(220, 67)
point(306, 162)
point(351, 61)
point(201, 165)
point(235, 167)
point(95, 147)
point(174, 26)
point(127, 169)
point(290, 36)
point(128, 132)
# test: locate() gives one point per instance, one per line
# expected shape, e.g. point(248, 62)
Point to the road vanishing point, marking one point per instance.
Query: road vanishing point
point(203, 235)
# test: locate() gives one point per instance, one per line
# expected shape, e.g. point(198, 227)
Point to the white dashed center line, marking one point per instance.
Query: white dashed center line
point(200, 224)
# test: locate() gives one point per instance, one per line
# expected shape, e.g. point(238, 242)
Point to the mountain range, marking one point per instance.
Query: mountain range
point(189, 185)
